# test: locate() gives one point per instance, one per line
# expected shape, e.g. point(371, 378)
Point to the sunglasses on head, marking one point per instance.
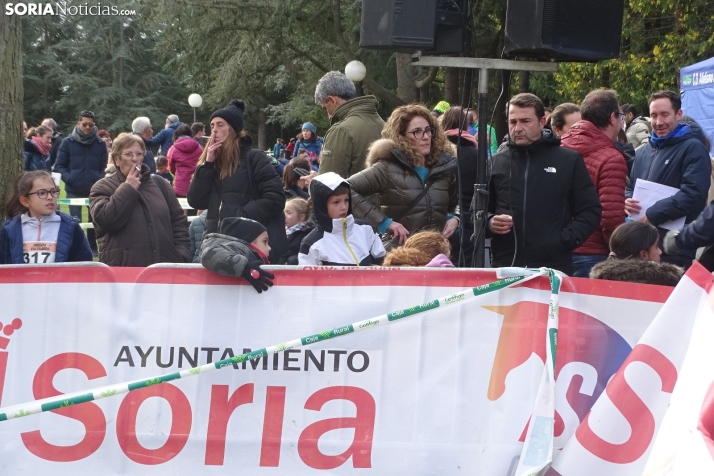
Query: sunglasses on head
point(301, 172)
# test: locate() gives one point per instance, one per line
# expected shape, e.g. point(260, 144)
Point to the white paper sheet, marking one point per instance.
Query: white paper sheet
point(649, 193)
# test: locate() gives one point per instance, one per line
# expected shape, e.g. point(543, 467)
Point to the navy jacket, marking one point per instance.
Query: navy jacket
point(682, 162)
point(72, 245)
point(149, 155)
point(165, 139)
point(33, 159)
point(81, 165)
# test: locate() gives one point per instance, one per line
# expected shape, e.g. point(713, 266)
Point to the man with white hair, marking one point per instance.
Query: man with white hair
point(141, 126)
point(354, 125)
point(56, 139)
point(165, 138)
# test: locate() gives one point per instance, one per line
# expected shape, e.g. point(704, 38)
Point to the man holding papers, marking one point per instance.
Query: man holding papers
point(674, 158)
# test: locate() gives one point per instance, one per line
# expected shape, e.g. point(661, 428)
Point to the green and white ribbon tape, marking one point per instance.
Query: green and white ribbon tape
point(537, 451)
point(53, 403)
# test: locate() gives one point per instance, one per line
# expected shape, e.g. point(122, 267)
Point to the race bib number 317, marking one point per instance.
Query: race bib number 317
point(38, 252)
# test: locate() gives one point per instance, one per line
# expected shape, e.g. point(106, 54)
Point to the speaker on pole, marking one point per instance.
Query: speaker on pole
point(408, 26)
point(565, 30)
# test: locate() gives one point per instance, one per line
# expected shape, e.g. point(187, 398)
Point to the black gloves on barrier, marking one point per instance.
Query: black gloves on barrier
point(258, 277)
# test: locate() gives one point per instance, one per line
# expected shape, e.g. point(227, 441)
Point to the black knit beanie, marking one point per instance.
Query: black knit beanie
point(233, 114)
point(242, 228)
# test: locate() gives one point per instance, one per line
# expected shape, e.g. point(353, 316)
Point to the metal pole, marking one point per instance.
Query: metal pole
point(194, 114)
point(479, 213)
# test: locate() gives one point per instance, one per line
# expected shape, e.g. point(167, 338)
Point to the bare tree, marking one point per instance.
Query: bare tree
point(10, 102)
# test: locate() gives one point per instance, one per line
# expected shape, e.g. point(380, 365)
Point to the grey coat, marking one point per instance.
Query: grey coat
point(226, 255)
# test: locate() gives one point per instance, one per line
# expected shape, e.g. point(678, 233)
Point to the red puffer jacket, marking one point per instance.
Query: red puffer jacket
point(183, 159)
point(608, 171)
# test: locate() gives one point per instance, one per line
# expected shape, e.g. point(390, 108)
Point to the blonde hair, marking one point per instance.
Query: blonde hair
point(227, 155)
point(123, 141)
point(419, 250)
point(302, 207)
point(396, 127)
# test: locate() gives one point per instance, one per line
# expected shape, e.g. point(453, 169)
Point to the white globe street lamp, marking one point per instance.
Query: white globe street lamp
point(355, 71)
point(195, 100)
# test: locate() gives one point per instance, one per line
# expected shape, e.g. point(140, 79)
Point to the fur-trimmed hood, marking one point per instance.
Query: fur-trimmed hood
point(382, 150)
point(638, 271)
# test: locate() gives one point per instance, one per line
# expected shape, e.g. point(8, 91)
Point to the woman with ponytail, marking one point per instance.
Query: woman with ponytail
point(37, 149)
point(235, 180)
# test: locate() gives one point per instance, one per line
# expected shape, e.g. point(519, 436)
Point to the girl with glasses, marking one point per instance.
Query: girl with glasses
point(412, 174)
point(36, 232)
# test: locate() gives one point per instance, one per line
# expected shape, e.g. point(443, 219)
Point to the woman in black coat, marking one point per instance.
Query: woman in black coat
point(468, 159)
point(235, 180)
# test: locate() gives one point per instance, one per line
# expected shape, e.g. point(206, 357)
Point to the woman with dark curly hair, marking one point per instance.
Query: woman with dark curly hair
point(412, 172)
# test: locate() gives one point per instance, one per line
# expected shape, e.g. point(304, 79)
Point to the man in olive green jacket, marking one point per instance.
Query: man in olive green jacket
point(354, 125)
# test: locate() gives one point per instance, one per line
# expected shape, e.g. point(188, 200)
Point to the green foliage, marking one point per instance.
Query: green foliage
point(107, 64)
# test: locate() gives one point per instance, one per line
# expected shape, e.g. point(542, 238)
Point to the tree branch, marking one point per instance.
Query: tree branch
point(428, 79)
point(339, 34)
point(308, 57)
point(383, 93)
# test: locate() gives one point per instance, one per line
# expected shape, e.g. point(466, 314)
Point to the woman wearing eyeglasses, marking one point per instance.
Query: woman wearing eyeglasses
point(36, 232)
point(138, 219)
point(412, 172)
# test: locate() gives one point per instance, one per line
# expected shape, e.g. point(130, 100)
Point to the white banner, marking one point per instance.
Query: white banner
point(447, 392)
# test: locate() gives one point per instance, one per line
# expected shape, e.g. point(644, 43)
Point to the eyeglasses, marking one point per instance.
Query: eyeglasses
point(87, 124)
point(129, 155)
point(419, 134)
point(42, 193)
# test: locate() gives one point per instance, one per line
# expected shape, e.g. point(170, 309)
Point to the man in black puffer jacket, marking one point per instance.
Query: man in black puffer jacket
point(542, 202)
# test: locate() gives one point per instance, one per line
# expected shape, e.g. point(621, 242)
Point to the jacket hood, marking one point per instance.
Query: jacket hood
point(681, 133)
point(585, 138)
point(358, 105)
point(696, 131)
point(547, 138)
point(387, 149)
point(638, 271)
point(31, 147)
point(321, 187)
point(175, 125)
point(187, 145)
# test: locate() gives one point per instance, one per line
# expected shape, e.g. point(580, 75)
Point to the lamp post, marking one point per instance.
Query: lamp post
point(195, 100)
point(356, 71)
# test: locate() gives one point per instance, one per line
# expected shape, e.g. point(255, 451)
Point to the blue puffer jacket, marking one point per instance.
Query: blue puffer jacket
point(314, 147)
point(165, 139)
point(33, 158)
point(72, 245)
point(81, 165)
point(683, 162)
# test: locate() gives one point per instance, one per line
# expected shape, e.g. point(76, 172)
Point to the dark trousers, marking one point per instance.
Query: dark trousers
point(76, 211)
point(467, 232)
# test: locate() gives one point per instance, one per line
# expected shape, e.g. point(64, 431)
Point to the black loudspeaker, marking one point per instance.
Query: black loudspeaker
point(407, 26)
point(567, 30)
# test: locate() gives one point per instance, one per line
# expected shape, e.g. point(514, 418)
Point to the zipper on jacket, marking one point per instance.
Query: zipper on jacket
point(525, 195)
point(649, 172)
point(39, 228)
point(344, 236)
